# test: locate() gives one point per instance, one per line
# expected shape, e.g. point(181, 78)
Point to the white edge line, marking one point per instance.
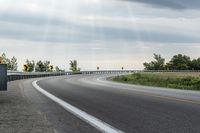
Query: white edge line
point(99, 124)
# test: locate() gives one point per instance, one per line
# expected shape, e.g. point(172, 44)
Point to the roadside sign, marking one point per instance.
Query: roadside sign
point(51, 67)
point(1, 60)
point(26, 67)
point(3, 77)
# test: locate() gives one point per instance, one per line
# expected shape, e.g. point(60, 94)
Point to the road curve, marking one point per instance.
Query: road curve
point(129, 108)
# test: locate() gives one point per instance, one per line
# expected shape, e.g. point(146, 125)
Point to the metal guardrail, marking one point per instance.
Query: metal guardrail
point(127, 71)
point(12, 75)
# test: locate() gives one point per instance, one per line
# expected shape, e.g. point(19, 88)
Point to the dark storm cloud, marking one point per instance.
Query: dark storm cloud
point(173, 4)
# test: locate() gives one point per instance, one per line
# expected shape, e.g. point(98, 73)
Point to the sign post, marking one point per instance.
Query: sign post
point(3, 77)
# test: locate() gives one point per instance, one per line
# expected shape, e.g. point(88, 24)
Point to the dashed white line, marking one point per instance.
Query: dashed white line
point(95, 122)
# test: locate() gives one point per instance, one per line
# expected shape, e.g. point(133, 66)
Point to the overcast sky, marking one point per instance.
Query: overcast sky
point(105, 33)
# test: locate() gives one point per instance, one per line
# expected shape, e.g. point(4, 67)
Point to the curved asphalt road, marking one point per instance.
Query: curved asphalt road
point(129, 108)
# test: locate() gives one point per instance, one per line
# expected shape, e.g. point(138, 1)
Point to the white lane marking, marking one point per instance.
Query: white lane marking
point(99, 124)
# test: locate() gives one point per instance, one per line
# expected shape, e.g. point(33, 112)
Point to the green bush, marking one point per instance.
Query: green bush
point(151, 79)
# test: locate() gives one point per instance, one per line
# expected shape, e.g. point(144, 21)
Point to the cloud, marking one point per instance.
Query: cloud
point(94, 33)
point(173, 4)
point(38, 27)
point(30, 18)
point(107, 33)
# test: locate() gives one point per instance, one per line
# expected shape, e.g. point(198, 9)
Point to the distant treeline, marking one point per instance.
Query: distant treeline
point(36, 66)
point(39, 66)
point(177, 62)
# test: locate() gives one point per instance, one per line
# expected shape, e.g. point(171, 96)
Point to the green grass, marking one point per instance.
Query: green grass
point(188, 81)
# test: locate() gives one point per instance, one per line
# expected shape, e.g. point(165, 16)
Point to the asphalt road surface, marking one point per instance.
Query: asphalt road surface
point(126, 108)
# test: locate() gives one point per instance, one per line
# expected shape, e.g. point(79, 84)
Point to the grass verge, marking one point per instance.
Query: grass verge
point(187, 81)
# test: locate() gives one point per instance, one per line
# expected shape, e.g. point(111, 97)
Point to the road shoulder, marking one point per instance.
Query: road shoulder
point(18, 115)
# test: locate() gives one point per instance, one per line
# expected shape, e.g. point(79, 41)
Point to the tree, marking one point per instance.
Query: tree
point(73, 66)
point(39, 66)
point(42, 66)
point(11, 63)
point(4, 58)
point(195, 64)
point(57, 69)
point(179, 62)
point(47, 66)
point(31, 65)
point(158, 64)
point(8, 62)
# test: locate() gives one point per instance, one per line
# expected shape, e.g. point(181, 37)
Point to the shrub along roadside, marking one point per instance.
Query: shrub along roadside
point(150, 79)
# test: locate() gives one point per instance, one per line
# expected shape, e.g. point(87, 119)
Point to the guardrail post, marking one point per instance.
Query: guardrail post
point(3, 77)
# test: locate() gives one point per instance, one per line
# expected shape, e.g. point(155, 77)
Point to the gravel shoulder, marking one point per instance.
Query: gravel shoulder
point(18, 115)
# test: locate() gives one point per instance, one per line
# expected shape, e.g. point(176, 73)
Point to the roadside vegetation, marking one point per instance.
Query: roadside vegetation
point(31, 65)
point(74, 66)
point(179, 80)
point(177, 62)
